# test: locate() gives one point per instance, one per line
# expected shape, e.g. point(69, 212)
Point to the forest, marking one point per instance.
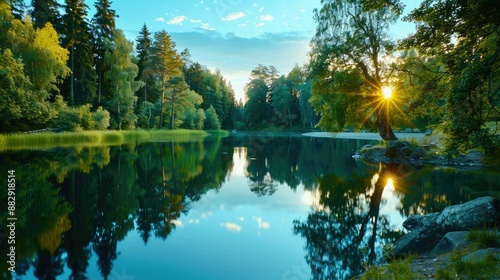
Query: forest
point(64, 70)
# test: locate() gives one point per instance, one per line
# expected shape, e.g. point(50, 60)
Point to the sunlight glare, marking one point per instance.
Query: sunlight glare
point(387, 92)
point(390, 184)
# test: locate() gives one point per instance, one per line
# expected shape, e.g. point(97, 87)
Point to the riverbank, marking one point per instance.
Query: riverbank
point(47, 140)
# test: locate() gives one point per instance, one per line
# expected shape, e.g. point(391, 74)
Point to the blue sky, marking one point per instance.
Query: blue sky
point(233, 35)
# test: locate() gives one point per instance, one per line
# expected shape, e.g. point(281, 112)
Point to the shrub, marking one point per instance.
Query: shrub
point(211, 119)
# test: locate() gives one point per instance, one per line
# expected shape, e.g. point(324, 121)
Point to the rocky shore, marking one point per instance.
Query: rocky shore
point(435, 237)
point(402, 152)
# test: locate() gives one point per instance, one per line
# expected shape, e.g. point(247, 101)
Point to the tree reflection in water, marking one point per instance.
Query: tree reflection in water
point(346, 232)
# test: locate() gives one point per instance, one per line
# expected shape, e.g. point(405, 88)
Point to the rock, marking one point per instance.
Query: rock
point(398, 148)
point(482, 254)
point(451, 241)
point(367, 146)
point(416, 130)
point(427, 230)
point(408, 130)
point(417, 153)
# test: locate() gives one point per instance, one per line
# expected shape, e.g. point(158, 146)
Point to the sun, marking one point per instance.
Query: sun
point(387, 92)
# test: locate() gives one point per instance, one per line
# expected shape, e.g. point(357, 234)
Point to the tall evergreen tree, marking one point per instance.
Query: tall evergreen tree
point(103, 27)
point(18, 7)
point(80, 88)
point(143, 48)
point(46, 11)
point(167, 63)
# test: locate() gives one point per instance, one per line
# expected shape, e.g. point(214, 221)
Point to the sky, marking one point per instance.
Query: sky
point(234, 36)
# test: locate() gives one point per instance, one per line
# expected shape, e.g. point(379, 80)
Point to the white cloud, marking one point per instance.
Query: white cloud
point(302, 10)
point(195, 21)
point(242, 24)
point(259, 24)
point(233, 16)
point(177, 20)
point(261, 224)
point(241, 219)
point(261, 9)
point(194, 221)
point(205, 215)
point(231, 227)
point(177, 223)
point(160, 19)
point(254, 5)
point(206, 26)
point(266, 17)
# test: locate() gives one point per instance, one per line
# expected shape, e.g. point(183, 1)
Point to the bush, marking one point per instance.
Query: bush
point(80, 118)
point(211, 119)
point(101, 119)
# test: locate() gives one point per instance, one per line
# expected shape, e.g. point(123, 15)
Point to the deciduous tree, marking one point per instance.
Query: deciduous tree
point(463, 39)
point(352, 37)
point(121, 75)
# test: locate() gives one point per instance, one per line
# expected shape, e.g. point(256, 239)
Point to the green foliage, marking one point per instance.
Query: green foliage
point(348, 66)
point(485, 238)
point(462, 39)
point(486, 268)
point(307, 112)
point(101, 119)
point(79, 118)
point(147, 113)
point(94, 138)
point(211, 119)
point(46, 11)
point(80, 87)
point(256, 92)
point(214, 90)
point(122, 73)
point(338, 103)
point(21, 107)
point(397, 269)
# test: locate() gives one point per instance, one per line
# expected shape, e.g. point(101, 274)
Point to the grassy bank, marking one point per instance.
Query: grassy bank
point(96, 138)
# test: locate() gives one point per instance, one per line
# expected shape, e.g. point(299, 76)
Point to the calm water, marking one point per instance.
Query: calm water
point(230, 208)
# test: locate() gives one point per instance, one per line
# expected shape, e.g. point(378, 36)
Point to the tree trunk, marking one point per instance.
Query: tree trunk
point(384, 125)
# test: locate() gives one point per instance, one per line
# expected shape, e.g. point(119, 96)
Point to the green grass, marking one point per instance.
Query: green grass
point(486, 268)
point(397, 269)
point(484, 238)
point(96, 138)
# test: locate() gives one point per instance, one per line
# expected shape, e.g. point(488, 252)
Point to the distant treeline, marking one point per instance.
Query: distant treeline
point(64, 72)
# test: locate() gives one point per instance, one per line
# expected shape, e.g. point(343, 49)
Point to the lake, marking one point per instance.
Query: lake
point(219, 208)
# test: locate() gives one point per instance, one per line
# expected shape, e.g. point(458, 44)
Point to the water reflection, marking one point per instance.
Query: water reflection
point(76, 205)
point(341, 233)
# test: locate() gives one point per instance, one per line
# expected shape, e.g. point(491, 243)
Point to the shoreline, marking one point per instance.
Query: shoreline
point(361, 135)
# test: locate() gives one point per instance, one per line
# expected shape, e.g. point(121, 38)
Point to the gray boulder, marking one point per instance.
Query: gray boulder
point(427, 230)
point(398, 148)
point(451, 241)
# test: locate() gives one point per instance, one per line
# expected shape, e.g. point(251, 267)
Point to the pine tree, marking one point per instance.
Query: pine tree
point(143, 48)
point(166, 63)
point(103, 25)
point(18, 7)
point(80, 88)
point(46, 11)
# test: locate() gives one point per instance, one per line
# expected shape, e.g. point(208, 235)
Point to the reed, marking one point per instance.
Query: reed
point(47, 140)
